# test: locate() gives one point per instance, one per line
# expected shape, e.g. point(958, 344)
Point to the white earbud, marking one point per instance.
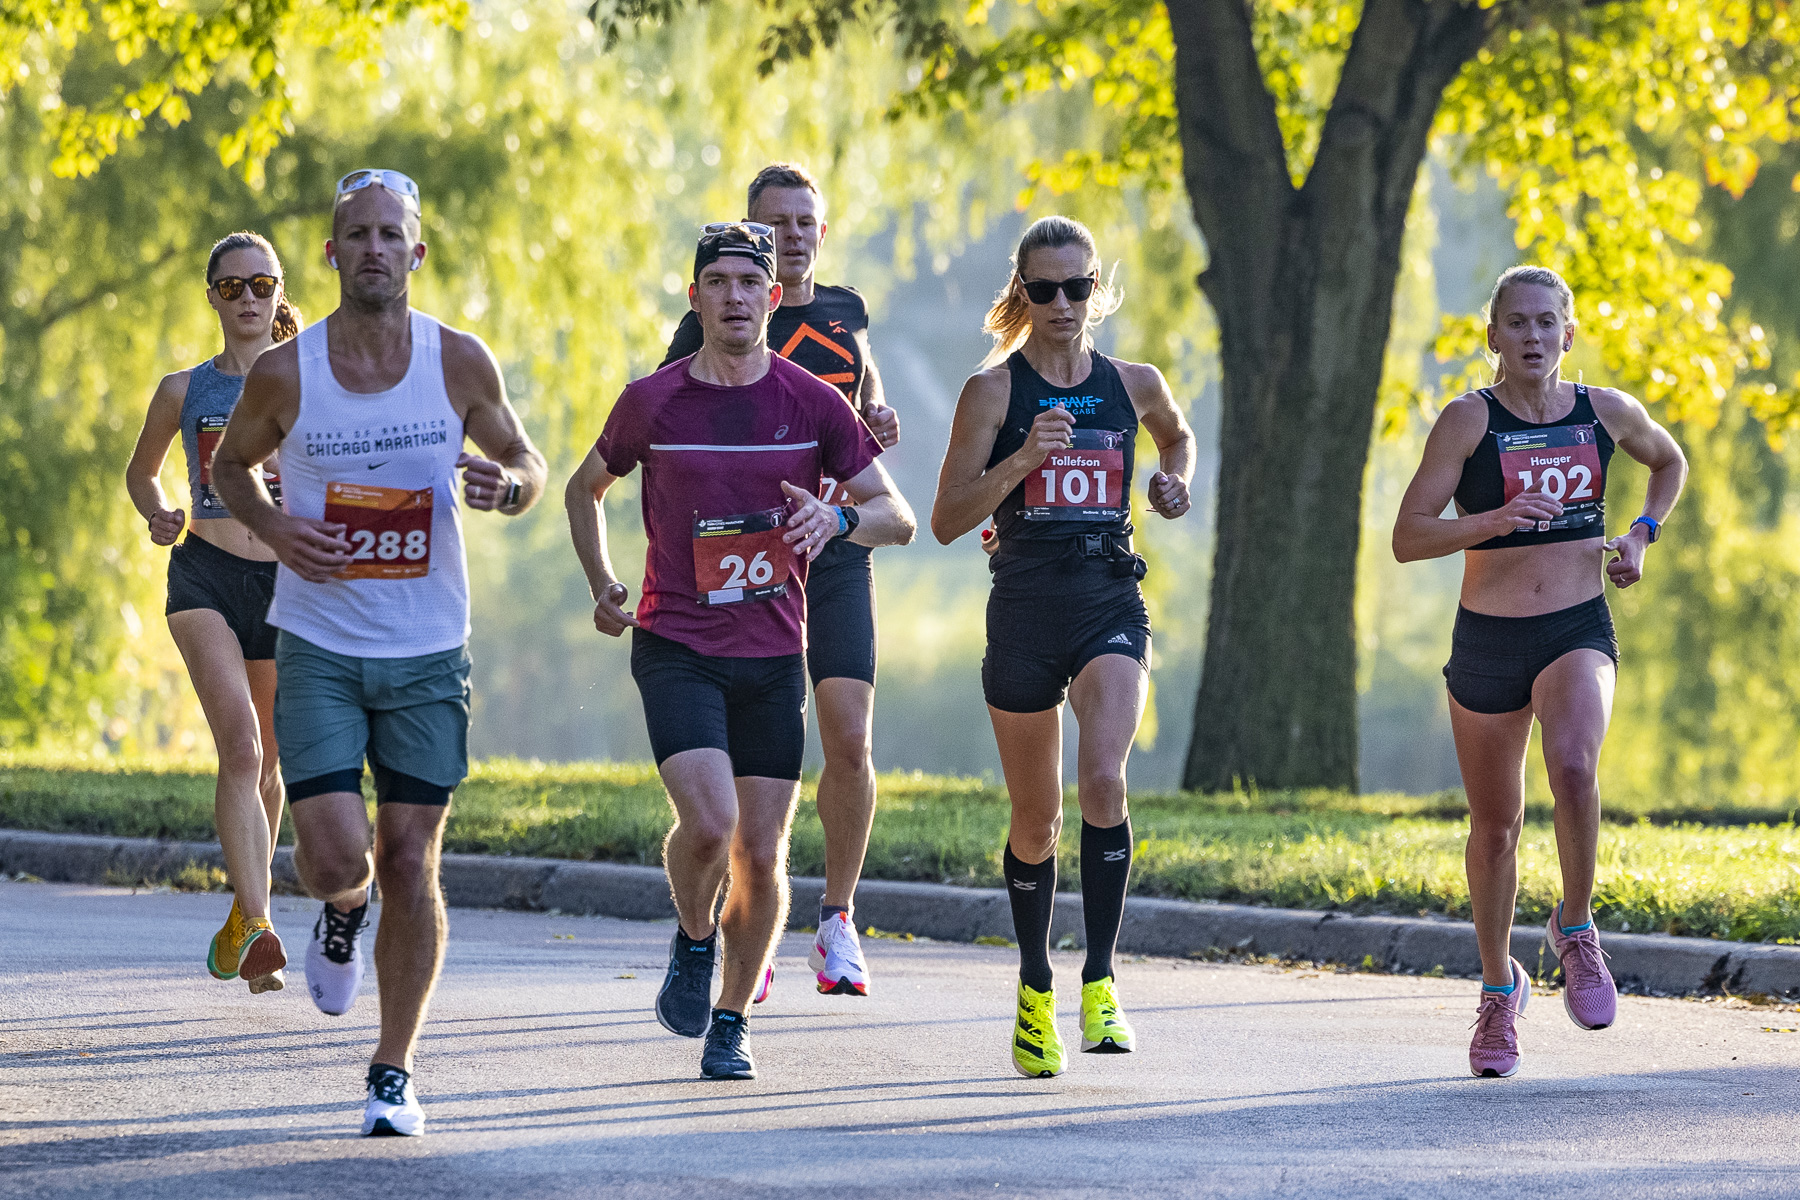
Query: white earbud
point(332, 259)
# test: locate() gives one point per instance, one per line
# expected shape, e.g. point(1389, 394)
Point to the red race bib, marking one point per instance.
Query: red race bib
point(208, 431)
point(1081, 483)
point(741, 558)
point(389, 529)
point(1563, 462)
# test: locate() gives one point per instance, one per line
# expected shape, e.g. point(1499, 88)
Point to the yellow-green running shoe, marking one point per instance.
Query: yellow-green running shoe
point(247, 948)
point(1104, 1029)
point(1037, 1049)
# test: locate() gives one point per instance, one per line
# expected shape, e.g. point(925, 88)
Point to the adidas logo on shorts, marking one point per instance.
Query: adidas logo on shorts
point(1119, 639)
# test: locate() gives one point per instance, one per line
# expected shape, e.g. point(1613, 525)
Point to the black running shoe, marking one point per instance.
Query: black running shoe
point(725, 1056)
point(683, 1005)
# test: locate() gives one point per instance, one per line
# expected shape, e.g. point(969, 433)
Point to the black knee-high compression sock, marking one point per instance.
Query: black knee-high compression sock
point(1105, 874)
point(1032, 889)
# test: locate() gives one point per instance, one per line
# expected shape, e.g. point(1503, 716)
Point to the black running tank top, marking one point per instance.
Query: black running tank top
point(1567, 459)
point(1086, 488)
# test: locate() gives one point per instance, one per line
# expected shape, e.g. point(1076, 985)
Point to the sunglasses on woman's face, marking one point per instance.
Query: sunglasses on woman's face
point(1043, 291)
point(230, 287)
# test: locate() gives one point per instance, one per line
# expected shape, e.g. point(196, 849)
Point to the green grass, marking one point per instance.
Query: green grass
point(1708, 869)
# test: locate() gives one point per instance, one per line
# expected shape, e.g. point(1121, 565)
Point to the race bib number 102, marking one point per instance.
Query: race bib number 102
point(741, 558)
point(1563, 462)
point(1082, 483)
point(389, 529)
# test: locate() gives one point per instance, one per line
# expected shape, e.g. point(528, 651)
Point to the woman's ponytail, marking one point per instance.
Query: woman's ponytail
point(288, 322)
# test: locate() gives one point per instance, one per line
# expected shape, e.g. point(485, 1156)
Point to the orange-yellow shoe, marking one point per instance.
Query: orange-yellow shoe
point(247, 948)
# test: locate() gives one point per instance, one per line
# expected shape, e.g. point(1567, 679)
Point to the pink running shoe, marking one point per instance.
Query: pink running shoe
point(762, 992)
point(1589, 995)
point(1494, 1051)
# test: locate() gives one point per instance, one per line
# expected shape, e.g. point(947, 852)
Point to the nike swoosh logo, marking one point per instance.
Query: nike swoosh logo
point(384, 462)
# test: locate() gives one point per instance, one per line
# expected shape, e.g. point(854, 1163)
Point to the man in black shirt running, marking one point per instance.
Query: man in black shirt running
point(825, 330)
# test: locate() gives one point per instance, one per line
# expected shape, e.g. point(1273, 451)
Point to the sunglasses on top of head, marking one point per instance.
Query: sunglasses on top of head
point(393, 181)
point(755, 228)
point(1043, 291)
point(230, 287)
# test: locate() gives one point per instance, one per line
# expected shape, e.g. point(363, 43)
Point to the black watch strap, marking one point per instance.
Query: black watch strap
point(852, 519)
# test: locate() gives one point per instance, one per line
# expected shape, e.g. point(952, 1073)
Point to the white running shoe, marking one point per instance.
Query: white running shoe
point(838, 958)
point(393, 1110)
point(334, 958)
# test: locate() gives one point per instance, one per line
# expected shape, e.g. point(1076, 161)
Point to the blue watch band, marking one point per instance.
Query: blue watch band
point(1654, 525)
point(843, 522)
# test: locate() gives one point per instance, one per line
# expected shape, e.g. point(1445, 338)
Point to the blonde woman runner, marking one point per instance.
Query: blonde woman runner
point(1525, 460)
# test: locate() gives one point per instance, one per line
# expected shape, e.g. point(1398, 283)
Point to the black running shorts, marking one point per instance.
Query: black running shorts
point(1048, 620)
point(1495, 660)
point(239, 589)
point(840, 614)
point(754, 709)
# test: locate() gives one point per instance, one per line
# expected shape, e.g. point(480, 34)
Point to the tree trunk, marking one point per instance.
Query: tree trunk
point(1301, 281)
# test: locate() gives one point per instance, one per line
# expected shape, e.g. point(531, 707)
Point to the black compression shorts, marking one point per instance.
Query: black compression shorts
point(840, 614)
point(754, 709)
point(1495, 660)
point(1047, 621)
point(239, 589)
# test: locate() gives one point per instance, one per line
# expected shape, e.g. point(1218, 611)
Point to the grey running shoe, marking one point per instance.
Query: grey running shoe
point(725, 1056)
point(685, 1001)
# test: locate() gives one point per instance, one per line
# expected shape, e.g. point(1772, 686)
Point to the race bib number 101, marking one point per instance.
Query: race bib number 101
point(741, 558)
point(1083, 483)
point(1563, 462)
point(389, 529)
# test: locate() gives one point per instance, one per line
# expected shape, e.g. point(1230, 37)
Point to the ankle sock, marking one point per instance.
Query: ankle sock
point(1587, 924)
point(1105, 875)
point(1504, 989)
point(708, 944)
point(827, 911)
point(1031, 887)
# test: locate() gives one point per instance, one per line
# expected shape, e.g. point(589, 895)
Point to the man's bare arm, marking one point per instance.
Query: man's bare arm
point(491, 422)
point(584, 498)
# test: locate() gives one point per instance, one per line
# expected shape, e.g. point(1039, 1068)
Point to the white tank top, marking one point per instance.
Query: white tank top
point(383, 464)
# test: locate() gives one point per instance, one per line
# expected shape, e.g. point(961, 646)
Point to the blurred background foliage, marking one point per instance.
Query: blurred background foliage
point(563, 180)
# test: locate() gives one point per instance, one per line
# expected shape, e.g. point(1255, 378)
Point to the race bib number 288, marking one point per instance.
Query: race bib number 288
point(389, 529)
point(1081, 483)
point(1563, 462)
point(741, 558)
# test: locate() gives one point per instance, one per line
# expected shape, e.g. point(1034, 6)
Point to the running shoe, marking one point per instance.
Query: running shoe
point(247, 948)
point(838, 958)
point(725, 1056)
point(768, 982)
point(1589, 995)
point(334, 959)
point(684, 1004)
point(393, 1110)
point(1104, 1029)
point(1037, 1049)
point(1494, 1051)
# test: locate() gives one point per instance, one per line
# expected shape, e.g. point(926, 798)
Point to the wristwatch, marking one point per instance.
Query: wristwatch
point(848, 520)
point(1652, 524)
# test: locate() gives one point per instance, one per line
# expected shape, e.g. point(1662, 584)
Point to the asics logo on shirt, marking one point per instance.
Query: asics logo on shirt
point(781, 433)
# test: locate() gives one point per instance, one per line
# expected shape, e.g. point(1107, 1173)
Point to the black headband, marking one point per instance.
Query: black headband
point(736, 242)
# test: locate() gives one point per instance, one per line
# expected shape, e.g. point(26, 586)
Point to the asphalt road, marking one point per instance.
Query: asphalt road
point(126, 1071)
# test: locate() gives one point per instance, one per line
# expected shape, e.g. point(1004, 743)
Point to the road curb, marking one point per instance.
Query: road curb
point(1650, 963)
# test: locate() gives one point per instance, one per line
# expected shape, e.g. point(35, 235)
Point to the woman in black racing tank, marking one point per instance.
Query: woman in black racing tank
point(1043, 442)
point(1525, 460)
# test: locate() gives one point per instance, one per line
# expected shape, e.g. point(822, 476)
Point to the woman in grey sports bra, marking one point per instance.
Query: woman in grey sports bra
point(221, 579)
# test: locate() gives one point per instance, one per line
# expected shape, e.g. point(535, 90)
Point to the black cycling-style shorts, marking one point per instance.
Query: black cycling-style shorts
point(1495, 660)
point(754, 709)
point(1048, 620)
point(239, 589)
point(840, 614)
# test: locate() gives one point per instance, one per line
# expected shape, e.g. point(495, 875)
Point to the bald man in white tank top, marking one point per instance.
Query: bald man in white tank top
point(372, 601)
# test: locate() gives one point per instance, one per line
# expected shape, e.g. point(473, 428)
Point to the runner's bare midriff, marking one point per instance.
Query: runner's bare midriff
point(233, 537)
point(1527, 581)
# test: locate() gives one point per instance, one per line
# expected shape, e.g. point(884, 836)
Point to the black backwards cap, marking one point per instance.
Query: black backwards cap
point(735, 241)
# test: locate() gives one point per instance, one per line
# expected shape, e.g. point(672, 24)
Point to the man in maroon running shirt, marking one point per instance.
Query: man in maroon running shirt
point(734, 442)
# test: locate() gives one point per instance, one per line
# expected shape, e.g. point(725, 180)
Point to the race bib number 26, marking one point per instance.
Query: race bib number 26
point(741, 558)
point(1563, 462)
point(1081, 483)
point(389, 529)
